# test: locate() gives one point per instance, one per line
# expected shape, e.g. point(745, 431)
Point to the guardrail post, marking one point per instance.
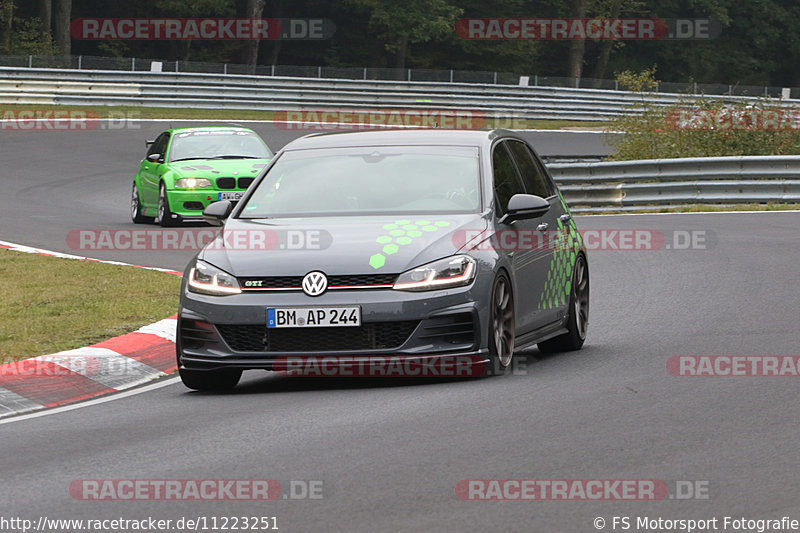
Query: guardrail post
point(319, 72)
point(451, 75)
point(577, 83)
point(133, 64)
point(225, 68)
point(365, 72)
point(30, 61)
point(495, 78)
point(409, 74)
point(616, 85)
point(535, 80)
point(176, 65)
point(730, 90)
point(80, 58)
point(272, 71)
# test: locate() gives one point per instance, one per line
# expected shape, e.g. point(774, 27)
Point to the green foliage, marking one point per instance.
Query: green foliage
point(699, 126)
point(27, 38)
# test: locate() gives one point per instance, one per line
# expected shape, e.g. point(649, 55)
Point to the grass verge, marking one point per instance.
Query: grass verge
point(52, 304)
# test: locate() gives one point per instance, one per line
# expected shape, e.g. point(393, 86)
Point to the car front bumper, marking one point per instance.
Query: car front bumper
point(433, 331)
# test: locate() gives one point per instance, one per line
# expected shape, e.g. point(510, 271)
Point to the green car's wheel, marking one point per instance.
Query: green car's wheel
point(164, 212)
point(136, 207)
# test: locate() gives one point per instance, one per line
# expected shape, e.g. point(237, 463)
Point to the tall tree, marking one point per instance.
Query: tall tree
point(46, 15)
point(401, 24)
point(6, 24)
point(577, 47)
point(63, 16)
point(255, 10)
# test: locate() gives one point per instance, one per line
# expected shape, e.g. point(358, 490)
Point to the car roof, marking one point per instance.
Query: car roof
point(209, 128)
point(427, 136)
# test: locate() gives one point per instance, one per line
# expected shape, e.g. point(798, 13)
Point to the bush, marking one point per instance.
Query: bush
point(699, 126)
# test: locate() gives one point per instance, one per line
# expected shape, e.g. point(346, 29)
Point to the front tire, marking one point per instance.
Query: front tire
point(210, 380)
point(136, 207)
point(164, 212)
point(578, 319)
point(501, 327)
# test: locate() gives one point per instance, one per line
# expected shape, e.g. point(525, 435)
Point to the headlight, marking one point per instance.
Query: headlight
point(441, 274)
point(208, 279)
point(192, 183)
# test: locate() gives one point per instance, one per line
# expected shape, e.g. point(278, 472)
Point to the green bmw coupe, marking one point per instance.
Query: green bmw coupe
point(186, 169)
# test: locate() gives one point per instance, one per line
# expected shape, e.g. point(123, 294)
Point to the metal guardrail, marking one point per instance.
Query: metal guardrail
point(632, 185)
point(376, 73)
point(215, 91)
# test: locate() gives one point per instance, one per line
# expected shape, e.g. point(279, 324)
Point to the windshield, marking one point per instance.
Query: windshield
point(217, 145)
point(369, 180)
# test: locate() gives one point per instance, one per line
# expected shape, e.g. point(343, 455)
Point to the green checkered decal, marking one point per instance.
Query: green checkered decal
point(559, 276)
point(401, 233)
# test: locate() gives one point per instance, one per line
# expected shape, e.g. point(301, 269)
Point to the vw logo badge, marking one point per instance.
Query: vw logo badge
point(315, 283)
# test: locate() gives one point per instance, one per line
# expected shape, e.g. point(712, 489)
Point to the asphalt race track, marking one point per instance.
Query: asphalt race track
point(389, 454)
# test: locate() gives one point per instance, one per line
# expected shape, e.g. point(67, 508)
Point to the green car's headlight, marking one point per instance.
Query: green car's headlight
point(442, 274)
point(192, 183)
point(208, 279)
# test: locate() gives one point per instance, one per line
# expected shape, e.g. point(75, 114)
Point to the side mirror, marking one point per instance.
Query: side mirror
point(216, 213)
point(149, 142)
point(522, 206)
point(154, 158)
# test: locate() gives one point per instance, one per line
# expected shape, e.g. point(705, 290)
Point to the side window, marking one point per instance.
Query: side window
point(507, 182)
point(160, 145)
point(533, 174)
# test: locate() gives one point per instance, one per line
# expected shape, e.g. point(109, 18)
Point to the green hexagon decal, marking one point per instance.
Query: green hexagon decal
point(403, 232)
point(377, 261)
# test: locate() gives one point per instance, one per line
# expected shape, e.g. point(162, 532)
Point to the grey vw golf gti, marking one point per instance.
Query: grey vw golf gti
point(356, 250)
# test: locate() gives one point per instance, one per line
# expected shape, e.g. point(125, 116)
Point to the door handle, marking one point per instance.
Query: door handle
point(566, 217)
point(543, 226)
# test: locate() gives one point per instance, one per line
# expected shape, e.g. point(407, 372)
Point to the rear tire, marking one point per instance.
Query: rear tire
point(210, 380)
point(136, 207)
point(501, 327)
point(578, 319)
point(164, 212)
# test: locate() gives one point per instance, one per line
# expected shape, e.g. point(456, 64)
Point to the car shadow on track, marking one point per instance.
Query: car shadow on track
point(529, 364)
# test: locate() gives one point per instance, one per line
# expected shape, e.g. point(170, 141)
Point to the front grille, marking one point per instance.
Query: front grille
point(245, 182)
point(286, 282)
point(369, 336)
point(226, 183)
point(452, 329)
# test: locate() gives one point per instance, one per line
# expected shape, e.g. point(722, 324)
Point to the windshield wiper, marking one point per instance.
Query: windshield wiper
point(219, 157)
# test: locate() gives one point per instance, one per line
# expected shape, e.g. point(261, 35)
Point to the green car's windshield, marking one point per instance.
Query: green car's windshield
point(217, 145)
point(369, 180)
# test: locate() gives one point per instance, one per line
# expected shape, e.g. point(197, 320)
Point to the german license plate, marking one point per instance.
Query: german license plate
point(230, 196)
point(313, 317)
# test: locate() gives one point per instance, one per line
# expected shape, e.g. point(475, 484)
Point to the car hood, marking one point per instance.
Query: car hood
point(339, 245)
point(217, 168)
